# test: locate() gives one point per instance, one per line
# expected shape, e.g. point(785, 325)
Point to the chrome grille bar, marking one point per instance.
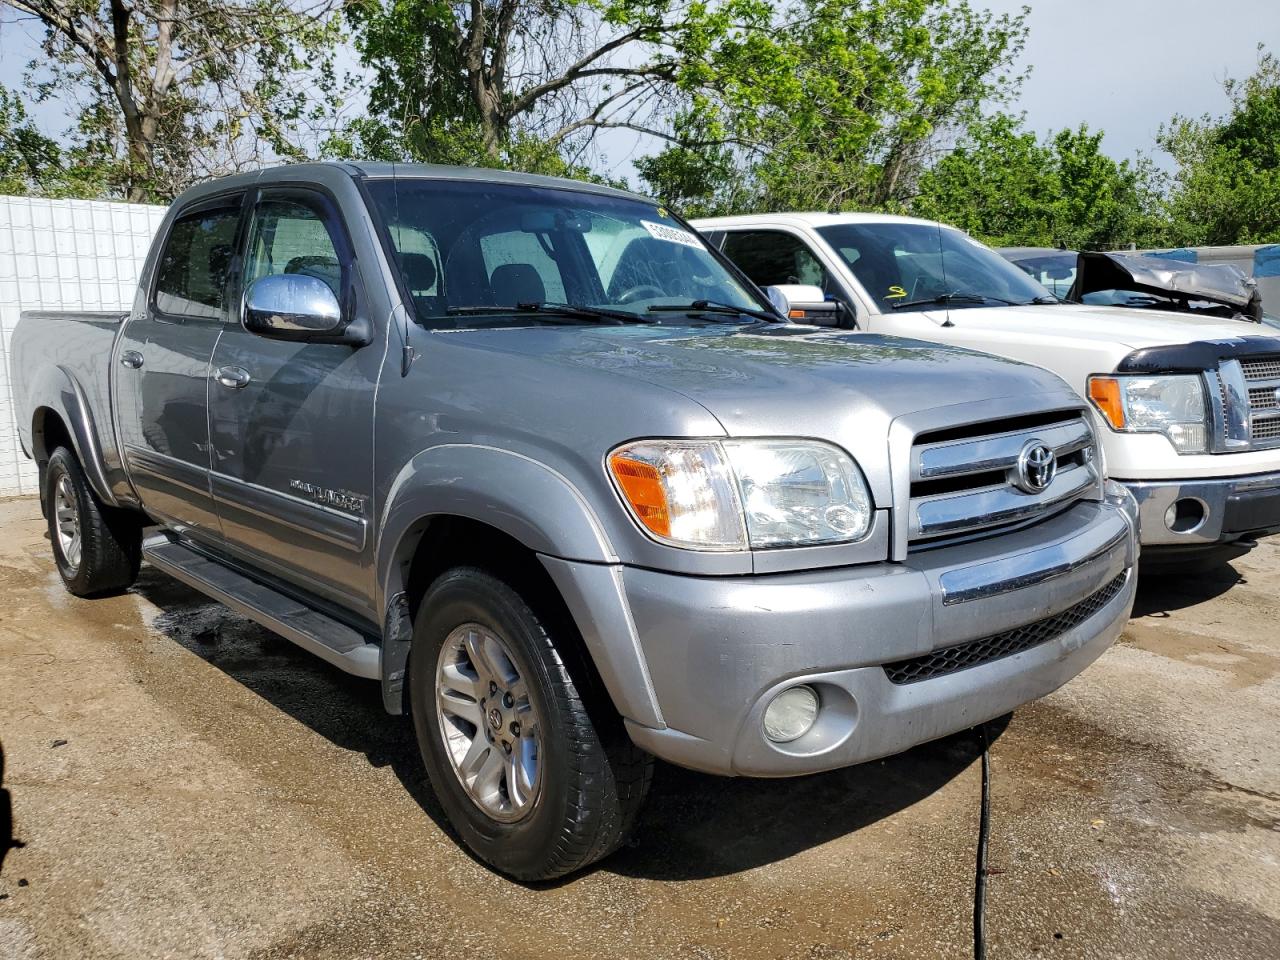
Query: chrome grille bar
point(990, 506)
point(1230, 402)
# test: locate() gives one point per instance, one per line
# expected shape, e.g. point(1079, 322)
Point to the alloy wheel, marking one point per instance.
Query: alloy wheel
point(488, 723)
point(67, 512)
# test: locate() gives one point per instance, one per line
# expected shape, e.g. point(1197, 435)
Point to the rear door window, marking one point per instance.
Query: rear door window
point(191, 277)
point(771, 257)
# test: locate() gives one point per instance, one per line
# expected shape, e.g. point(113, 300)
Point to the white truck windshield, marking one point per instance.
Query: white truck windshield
point(917, 266)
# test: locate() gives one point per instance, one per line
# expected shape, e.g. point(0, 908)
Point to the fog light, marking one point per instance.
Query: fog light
point(791, 714)
point(1186, 515)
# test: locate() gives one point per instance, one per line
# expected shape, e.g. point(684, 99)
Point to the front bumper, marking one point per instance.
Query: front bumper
point(718, 649)
point(1204, 512)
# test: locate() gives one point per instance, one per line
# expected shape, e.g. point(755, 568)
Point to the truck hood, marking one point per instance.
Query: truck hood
point(1122, 326)
point(786, 379)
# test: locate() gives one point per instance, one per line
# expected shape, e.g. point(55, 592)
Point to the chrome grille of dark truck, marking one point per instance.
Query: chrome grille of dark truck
point(986, 649)
point(963, 481)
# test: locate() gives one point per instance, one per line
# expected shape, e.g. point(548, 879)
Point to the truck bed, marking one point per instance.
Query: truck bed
point(60, 361)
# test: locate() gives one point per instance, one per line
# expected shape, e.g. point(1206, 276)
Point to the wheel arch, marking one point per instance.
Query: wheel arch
point(62, 414)
point(516, 495)
point(520, 519)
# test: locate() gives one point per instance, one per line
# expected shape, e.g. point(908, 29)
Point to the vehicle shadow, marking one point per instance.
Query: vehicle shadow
point(696, 826)
point(1159, 594)
point(7, 840)
point(693, 826)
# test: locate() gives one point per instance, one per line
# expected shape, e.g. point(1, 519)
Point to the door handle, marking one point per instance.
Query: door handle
point(131, 359)
point(233, 377)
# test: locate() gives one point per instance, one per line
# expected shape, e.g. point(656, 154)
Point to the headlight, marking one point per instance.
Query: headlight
point(735, 494)
point(1171, 405)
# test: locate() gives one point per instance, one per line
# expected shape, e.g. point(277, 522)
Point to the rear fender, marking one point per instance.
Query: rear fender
point(55, 390)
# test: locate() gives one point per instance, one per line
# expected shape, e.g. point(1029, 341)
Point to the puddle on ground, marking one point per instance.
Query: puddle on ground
point(1246, 667)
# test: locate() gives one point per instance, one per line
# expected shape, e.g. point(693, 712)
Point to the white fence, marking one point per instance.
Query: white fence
point(61, 255)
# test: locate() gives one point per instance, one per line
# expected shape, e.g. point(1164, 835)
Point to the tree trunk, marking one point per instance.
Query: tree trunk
point(135, 124)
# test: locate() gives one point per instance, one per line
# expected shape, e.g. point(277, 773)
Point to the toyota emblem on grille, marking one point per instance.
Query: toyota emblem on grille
point(1037, 466)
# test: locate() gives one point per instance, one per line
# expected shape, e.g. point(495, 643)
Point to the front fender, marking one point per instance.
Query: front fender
point(55, 389)
point(525, 499)
point(544, 511)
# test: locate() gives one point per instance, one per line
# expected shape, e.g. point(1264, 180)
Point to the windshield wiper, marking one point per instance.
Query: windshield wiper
point(1037, 300)
point(945, 298)
point(714, 306)
point(575, 311)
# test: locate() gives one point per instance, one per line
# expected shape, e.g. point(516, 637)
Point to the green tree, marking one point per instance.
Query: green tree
point(1005, 186)
point(172, 91)
point(1226, 188)
point(32, 164)
point(839, 104)
point(28, 159)
point(527, 83)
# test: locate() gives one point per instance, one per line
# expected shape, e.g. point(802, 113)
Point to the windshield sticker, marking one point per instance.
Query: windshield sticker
point(660, 231)
point(896, 293)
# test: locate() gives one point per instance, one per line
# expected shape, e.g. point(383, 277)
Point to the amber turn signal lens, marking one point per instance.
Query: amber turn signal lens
point(1105, 394)
point(641, 484)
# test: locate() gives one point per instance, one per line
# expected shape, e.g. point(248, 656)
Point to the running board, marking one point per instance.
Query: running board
point(345, 648)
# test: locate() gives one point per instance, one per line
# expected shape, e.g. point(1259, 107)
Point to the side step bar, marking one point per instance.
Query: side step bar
point(345, 648)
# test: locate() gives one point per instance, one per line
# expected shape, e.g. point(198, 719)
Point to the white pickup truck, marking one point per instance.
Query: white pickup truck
point(1188, 407)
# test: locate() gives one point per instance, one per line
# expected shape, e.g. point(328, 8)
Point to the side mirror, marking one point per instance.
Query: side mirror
point(292, 306)
point(807, 304)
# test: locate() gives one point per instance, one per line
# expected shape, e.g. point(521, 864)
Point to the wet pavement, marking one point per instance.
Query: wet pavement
point(185, 784)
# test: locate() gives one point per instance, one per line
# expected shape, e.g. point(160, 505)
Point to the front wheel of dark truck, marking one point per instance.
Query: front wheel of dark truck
point(97, 549)
point(532, 785)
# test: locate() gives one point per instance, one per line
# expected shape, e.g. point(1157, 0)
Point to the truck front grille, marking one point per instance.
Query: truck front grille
point(966, 481)
point(1262, 380)
point(1268, 429)
point(1268, 369)
point(974, 653)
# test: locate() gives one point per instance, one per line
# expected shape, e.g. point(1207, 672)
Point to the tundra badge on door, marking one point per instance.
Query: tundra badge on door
point(338, 499)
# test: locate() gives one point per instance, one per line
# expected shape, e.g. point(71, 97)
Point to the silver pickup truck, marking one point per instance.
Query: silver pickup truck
point(532, 456)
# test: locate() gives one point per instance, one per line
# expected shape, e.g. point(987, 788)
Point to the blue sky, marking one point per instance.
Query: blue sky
point(1122, 66)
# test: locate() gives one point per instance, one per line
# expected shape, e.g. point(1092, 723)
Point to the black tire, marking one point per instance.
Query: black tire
point(593, 780)
point(110, 548)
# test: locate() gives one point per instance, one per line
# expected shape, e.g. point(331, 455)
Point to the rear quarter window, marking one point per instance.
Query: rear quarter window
point(191, 277)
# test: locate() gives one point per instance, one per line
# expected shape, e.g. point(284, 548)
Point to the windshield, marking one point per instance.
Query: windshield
point(916, 266)
point(466, 246)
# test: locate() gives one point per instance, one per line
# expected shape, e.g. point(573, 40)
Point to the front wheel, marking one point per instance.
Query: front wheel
point(526, 778)
point(97, 549)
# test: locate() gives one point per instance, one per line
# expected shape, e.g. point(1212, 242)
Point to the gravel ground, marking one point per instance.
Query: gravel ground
point(186, 784)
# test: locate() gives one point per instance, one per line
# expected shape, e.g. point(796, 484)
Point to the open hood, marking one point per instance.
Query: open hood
point(1218, 290)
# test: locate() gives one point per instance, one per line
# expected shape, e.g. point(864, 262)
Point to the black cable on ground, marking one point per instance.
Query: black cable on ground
point(980, 877)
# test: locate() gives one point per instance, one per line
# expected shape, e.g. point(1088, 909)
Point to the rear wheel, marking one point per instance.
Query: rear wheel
point(97, 549)
point(530, 783)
